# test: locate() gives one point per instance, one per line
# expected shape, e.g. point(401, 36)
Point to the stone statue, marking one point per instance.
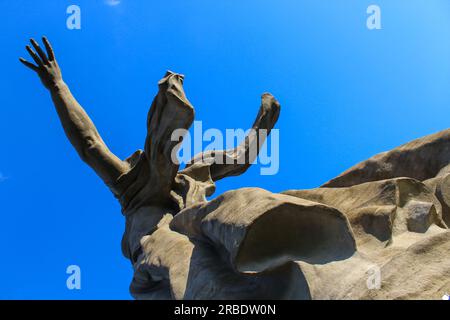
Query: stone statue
point(378, 231)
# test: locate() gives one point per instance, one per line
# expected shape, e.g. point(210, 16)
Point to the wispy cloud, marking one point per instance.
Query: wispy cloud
point(112, 3)
point(2, 177)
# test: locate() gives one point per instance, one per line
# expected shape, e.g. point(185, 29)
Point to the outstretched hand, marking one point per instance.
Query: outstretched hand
point(46, 66)
point(268, 112)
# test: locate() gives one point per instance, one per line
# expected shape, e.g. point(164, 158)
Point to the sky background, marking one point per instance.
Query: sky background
point(346, 93)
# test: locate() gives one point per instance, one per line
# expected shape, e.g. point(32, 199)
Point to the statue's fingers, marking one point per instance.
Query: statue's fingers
point(34, 56)
point(28, 64)
point(48, 47)
point(41, 53)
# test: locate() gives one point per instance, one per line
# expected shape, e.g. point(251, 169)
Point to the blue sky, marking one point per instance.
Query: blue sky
point(346, 93)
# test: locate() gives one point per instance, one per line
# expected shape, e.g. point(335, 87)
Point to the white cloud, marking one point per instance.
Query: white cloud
point(112, 3)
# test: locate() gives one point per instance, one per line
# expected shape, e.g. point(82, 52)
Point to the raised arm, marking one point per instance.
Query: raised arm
point(77, 125)
point(236, 161)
